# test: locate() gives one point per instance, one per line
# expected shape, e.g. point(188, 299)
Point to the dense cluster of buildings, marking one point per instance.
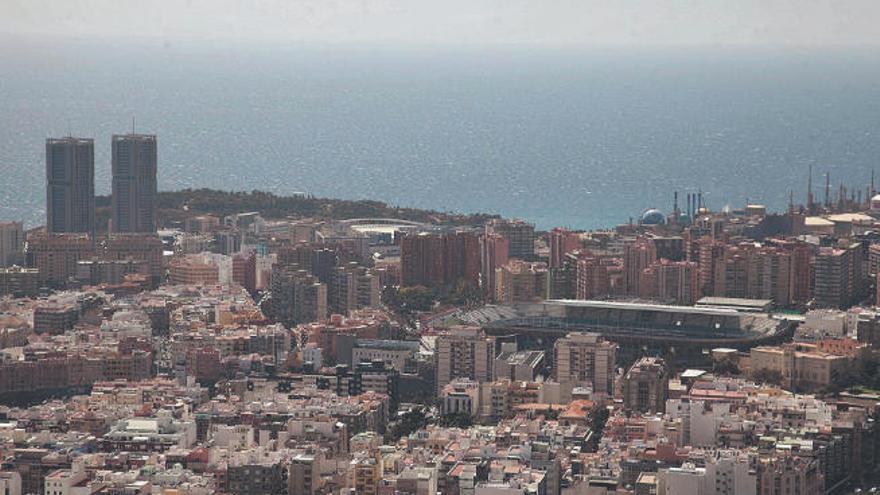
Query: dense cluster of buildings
point(698, 352)
point(790, 259)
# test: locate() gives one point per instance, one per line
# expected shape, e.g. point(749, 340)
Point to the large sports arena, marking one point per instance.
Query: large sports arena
point(685, 334)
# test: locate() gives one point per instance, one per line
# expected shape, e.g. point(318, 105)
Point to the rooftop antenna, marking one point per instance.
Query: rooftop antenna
point(132, 124)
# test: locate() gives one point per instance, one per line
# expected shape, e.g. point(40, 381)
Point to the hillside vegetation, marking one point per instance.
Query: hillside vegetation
point(176, 205)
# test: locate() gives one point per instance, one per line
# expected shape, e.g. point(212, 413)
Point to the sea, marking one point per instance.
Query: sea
point(584, 138)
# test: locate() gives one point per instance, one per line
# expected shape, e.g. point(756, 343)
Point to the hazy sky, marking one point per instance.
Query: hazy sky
point(586, 22)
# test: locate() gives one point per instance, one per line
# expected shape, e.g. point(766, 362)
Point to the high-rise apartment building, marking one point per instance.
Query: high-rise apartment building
point(297, 296)
point(464, 352)
point(461, 259)
point(770, 275)
point(352, 287)
point(877, 290)
point(440, 260)
point(562, 281)
point(562, 241)
point(227, 242)
point(592, 278)
point(421, 260)
point(244, 270)
point(673, 281)
point(838, 276)
point(134, 183)
point(585, 359)
point(646, 386)
point(493, 254)
point(638, 254)
point(520, 281)
point(670, 247)
point(56, 256)
point(136, 247)
point(874, 260)
point(70, 185)
point(11, 244)
point(779, 271)
point(317, 258)
point(709, 253)
point(18, 281)
point(801, 272)
point(732, 273)
point(520, 236)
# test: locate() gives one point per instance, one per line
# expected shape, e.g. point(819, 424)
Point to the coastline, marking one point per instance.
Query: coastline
point(175, 206)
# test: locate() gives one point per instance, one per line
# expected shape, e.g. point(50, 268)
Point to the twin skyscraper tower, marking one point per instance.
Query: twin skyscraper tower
point(70, 184)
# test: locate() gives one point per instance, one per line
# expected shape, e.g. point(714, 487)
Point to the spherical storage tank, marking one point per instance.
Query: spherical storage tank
point(652, 216)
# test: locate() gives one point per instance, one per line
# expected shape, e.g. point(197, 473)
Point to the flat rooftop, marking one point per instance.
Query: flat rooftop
point(521, 357)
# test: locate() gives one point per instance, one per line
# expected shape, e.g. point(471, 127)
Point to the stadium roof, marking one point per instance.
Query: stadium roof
point(667, 308)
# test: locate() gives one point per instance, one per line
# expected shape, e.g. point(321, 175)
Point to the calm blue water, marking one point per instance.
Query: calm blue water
point(559, 137)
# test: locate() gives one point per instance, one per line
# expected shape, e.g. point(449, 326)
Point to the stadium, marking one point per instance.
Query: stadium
point(682, 334)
